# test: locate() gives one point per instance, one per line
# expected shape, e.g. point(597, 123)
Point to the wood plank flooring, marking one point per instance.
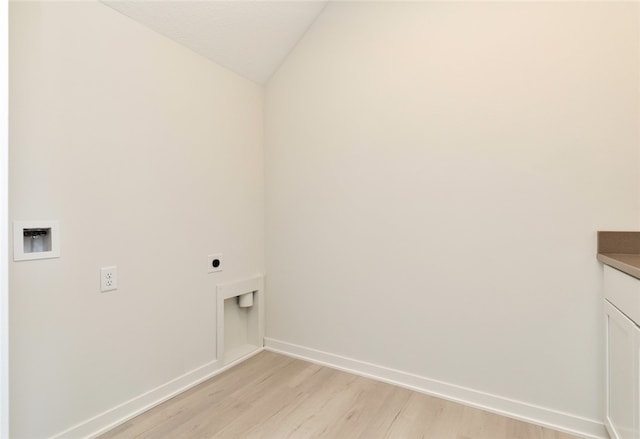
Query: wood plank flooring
point(274, 396)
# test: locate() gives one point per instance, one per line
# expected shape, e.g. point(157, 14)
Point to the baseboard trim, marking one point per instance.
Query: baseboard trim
point(120, 414)
point(564, 422)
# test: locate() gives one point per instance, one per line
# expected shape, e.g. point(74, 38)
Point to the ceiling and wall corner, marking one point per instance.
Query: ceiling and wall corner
point(252, 38)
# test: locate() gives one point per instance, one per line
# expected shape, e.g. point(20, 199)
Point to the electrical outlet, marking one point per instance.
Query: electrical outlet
point(214, 263)
point(108, 278)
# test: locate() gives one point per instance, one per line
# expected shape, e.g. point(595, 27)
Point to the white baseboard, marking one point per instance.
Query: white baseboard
point(575, 425)
point(111, 418)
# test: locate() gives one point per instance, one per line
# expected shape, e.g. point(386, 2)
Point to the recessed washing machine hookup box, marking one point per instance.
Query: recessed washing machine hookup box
point(36, 240)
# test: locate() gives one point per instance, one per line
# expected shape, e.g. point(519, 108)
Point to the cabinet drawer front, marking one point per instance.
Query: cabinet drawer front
point(623, 291)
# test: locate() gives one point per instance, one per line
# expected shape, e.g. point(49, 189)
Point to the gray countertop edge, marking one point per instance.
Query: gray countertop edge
point(624, 262)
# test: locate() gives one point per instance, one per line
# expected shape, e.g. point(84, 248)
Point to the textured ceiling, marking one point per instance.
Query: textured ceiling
point(252, 38)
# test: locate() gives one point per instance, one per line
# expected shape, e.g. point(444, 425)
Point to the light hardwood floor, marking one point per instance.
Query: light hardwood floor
point(274, 396)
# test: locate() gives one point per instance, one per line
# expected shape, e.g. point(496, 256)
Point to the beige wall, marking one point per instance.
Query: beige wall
point(436, 174)
point(4, 219)
point(151, 158)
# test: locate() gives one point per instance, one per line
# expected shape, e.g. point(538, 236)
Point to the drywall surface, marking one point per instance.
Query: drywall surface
point(436, 174)
point(4, 220)
point(151, 157)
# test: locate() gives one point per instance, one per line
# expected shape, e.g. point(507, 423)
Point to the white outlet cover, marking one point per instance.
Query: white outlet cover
point(210, 259)
point(108, 278)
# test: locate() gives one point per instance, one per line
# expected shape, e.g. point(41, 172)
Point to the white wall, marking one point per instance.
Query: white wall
point(151, 158)
point(436, 174)
point(4, 219)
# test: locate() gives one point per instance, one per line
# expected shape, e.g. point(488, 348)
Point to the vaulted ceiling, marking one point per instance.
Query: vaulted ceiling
point(252, 38)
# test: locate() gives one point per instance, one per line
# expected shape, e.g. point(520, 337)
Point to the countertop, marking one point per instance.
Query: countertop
point(620, 250)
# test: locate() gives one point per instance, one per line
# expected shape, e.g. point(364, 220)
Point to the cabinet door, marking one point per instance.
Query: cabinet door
point(622, 347)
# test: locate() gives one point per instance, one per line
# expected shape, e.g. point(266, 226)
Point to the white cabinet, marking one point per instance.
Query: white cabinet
point(622, 345)
point(621, 408)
